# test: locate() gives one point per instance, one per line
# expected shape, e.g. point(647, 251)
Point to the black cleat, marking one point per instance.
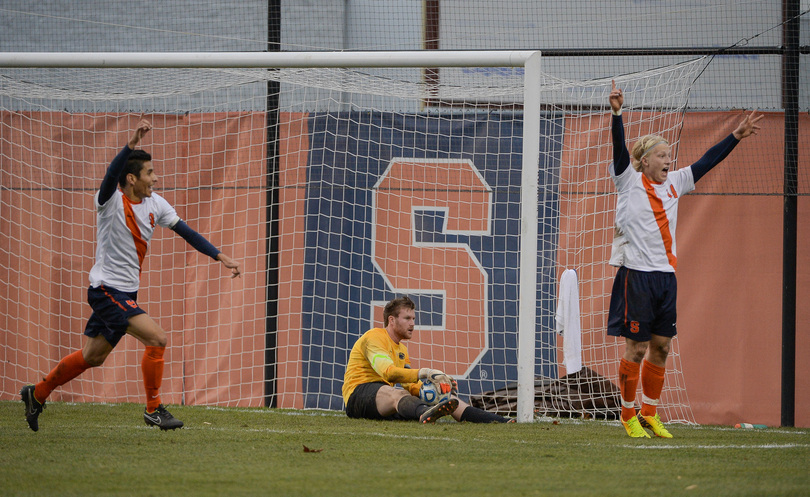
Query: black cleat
point(32, 406)
point(162, 418)
point(439, 410)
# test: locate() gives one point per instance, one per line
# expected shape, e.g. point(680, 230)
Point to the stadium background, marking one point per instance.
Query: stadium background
point(729, 235)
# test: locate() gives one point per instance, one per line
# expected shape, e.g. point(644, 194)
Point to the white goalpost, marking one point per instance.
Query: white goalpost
point(469, 180)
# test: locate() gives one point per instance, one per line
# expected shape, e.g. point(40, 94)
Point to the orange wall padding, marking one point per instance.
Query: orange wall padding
point(215, 324)
point(729, 265)
point(730, 278)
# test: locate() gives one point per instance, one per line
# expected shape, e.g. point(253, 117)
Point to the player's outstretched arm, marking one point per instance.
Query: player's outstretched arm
point(202, 245)
point(230, 264)
point(748, 126)
point(110, 181)
point(621, 156)
point(717, 153)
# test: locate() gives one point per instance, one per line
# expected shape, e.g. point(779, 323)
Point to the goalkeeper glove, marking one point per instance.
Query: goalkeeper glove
point(438, 378)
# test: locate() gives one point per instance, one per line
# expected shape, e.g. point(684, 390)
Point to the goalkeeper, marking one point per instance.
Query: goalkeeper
point(127, 213)
point(642, 302)
point(379, 360)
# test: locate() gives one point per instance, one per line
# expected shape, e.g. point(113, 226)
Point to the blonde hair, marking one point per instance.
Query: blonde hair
point(642, 147)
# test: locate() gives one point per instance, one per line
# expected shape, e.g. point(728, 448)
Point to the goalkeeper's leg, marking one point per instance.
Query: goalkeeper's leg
point(439, 410)
point(466, 412)
point(410, 407)
point(397, 403)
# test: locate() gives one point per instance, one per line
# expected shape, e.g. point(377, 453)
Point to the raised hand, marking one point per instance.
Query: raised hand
point(748, 126)
point(141, 129)
point(616, 98)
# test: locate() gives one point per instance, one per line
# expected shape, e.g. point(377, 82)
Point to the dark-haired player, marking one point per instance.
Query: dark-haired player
point(127, 213)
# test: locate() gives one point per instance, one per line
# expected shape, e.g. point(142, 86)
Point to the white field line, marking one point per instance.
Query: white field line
point(717, 447)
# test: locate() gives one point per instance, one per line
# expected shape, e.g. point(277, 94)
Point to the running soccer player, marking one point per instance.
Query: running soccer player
point(126, 220)
point(379, 360)
point(642, 302)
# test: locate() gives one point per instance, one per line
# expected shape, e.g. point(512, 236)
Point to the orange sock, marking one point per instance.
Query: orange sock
point(628, 383)
point(71, 366)
point(652, 382)
point(152, 367)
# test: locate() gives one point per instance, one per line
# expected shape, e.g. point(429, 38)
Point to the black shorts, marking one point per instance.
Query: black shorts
point(111, 312)
point(362, 402)
point(642, 304)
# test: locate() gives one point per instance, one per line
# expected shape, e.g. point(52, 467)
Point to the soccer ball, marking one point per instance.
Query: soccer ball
point(430, 393)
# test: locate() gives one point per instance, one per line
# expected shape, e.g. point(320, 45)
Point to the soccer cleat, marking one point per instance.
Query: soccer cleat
point(654, 423)
point(439, 410)
point(32, 406)
point(162, 418)
point(634, 429)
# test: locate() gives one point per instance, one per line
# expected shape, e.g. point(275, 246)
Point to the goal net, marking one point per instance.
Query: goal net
point(336, 189)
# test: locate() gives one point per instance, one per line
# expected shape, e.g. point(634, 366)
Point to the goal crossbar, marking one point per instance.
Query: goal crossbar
point(439, 58)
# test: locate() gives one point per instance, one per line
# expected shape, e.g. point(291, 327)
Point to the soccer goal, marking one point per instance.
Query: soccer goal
point(467, 180)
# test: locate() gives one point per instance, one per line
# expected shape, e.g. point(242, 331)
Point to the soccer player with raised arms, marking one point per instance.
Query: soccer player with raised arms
point(642, 302)
point(127, 213)
point(379, 360)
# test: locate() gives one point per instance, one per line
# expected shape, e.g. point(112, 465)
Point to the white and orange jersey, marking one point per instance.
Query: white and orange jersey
point(647, 215)
point(124, 231)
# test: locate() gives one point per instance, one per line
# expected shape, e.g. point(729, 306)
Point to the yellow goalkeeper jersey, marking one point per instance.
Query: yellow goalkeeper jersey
point(375, 357)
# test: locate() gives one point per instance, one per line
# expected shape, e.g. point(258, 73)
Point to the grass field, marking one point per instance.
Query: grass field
point(102, 449)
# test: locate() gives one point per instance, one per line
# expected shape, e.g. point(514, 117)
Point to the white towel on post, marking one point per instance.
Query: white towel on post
point(568, 321)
